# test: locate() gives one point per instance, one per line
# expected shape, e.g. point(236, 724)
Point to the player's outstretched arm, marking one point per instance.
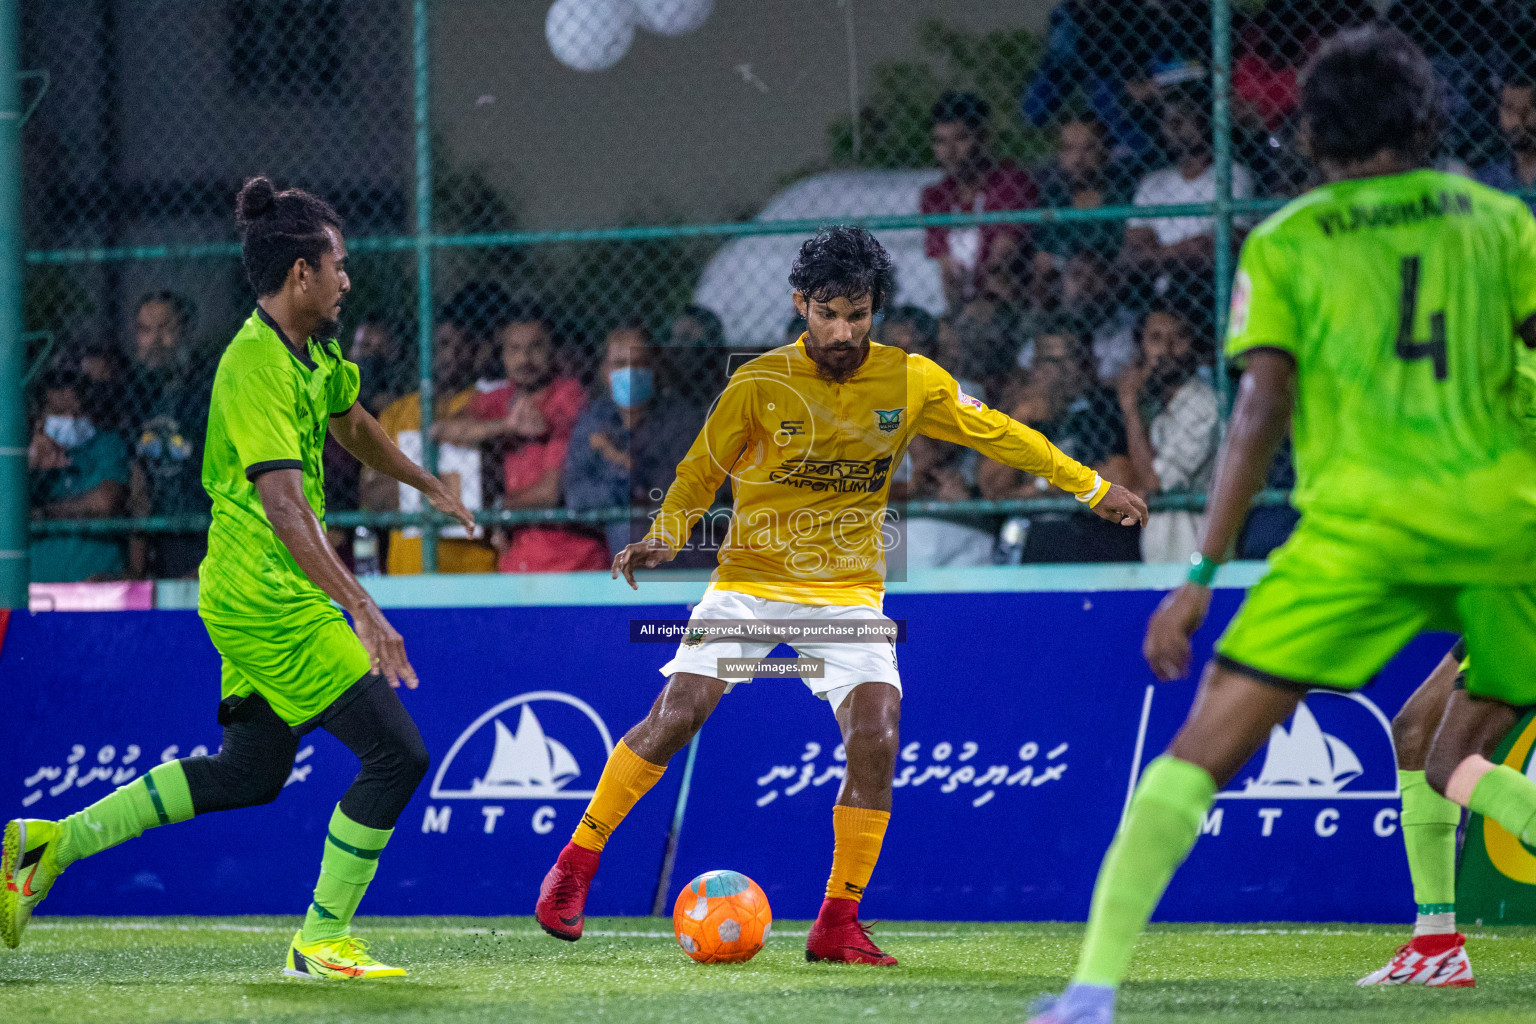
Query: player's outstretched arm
point(294, 522)
point(1259, 422)
point(950, 415)
point(360, 434)
point(714, 451)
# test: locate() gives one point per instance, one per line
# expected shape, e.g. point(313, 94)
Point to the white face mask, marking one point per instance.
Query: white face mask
point(69, 431)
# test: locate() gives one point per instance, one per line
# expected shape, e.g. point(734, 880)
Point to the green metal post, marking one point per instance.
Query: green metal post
point(13, 357)
point(669, 853)
point(421, 54)
point(1221, 127)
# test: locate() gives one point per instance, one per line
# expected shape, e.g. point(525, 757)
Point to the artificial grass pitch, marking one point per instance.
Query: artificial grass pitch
point(630, 970)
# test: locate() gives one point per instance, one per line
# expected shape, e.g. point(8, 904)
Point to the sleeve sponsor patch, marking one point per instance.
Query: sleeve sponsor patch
point(1242, 293)
point(965, 399)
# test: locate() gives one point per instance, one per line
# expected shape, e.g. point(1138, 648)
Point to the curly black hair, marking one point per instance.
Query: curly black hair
point(843, 262)
point(279, 228)
point(1367, 90)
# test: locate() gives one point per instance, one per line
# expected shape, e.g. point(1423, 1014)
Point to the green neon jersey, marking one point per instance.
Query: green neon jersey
point(1399, 298)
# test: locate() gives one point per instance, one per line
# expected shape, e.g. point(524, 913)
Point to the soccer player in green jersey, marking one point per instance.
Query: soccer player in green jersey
point(1378, 317)
point(290, 661)
point(1435, 955)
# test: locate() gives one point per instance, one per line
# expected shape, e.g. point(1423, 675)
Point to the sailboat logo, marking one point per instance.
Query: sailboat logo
point(1305, 762)
point(524, 762)
point(1305, 759)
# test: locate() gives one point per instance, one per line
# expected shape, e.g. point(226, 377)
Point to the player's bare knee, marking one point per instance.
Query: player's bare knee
point(874, 737)
point(683, 707)
point(699, 717)
point(677, 721)
point(1412, 733)
point(1439, 766)
point(666, 729)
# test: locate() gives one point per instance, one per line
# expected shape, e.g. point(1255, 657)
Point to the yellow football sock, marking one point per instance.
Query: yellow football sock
point(626, 778)
point(858, 833)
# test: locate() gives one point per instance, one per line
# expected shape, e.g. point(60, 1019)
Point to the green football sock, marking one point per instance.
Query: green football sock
point(1429, 823)
point(348, 865)
point(158, 797)
point(1509, 798)
point(1164, 820)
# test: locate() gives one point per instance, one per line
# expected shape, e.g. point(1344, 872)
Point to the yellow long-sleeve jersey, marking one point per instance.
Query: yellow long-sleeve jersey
point(810, 463)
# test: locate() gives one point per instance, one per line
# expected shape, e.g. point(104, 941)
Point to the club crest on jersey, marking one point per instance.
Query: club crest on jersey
point(889, 420)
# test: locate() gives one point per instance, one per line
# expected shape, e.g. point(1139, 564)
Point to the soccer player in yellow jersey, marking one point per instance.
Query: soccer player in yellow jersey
point(808, 435)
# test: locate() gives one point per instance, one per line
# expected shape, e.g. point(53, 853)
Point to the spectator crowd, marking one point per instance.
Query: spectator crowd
point(1098, 332)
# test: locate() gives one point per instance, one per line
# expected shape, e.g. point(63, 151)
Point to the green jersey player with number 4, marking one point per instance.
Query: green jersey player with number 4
point(1379, 317)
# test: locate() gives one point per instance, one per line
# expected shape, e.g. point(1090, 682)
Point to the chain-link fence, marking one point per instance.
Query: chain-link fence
point(570, 219)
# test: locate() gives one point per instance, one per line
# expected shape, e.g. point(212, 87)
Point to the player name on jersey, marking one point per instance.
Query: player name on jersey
point(1428, 206)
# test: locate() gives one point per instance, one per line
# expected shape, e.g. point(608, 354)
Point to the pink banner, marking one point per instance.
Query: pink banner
point(125, 596)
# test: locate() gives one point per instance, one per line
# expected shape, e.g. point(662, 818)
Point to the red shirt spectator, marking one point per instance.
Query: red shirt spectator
point(1005, 187)
point(529, 421)
point(541, 548)
point(1270, 91)
point(973, 183)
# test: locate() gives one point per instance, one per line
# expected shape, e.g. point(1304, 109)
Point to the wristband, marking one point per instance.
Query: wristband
point(1094, 494)
point(1202, 570)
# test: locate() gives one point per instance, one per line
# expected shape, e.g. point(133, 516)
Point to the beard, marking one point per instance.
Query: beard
point(327, 330)
point(1168, 374)
point(837, 364)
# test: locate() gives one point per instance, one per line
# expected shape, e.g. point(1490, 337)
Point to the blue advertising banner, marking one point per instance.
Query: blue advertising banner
point(1026, 718)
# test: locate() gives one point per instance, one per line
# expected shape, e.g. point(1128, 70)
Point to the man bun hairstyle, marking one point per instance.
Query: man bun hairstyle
point(256, 197)
point(843, 262)
point(1367, 90)
point(279, 228)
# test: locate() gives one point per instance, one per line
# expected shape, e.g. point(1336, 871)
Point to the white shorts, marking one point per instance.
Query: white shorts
point(847, 663)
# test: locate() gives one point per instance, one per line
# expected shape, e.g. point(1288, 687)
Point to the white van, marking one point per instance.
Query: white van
point(747, 281)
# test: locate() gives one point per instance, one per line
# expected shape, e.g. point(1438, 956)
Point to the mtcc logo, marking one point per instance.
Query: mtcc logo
point(534, 746)
point(1310, 762)
point(1335, 753)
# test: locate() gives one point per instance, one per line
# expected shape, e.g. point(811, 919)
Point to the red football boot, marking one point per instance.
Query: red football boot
point(839, 937)
point(562, 905)
point(1438, 961)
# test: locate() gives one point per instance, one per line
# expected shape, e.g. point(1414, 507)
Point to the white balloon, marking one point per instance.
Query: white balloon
point(589, 35)
point(672, 17)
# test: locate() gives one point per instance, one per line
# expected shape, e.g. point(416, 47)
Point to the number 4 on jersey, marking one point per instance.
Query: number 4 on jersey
point(1407, 348)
